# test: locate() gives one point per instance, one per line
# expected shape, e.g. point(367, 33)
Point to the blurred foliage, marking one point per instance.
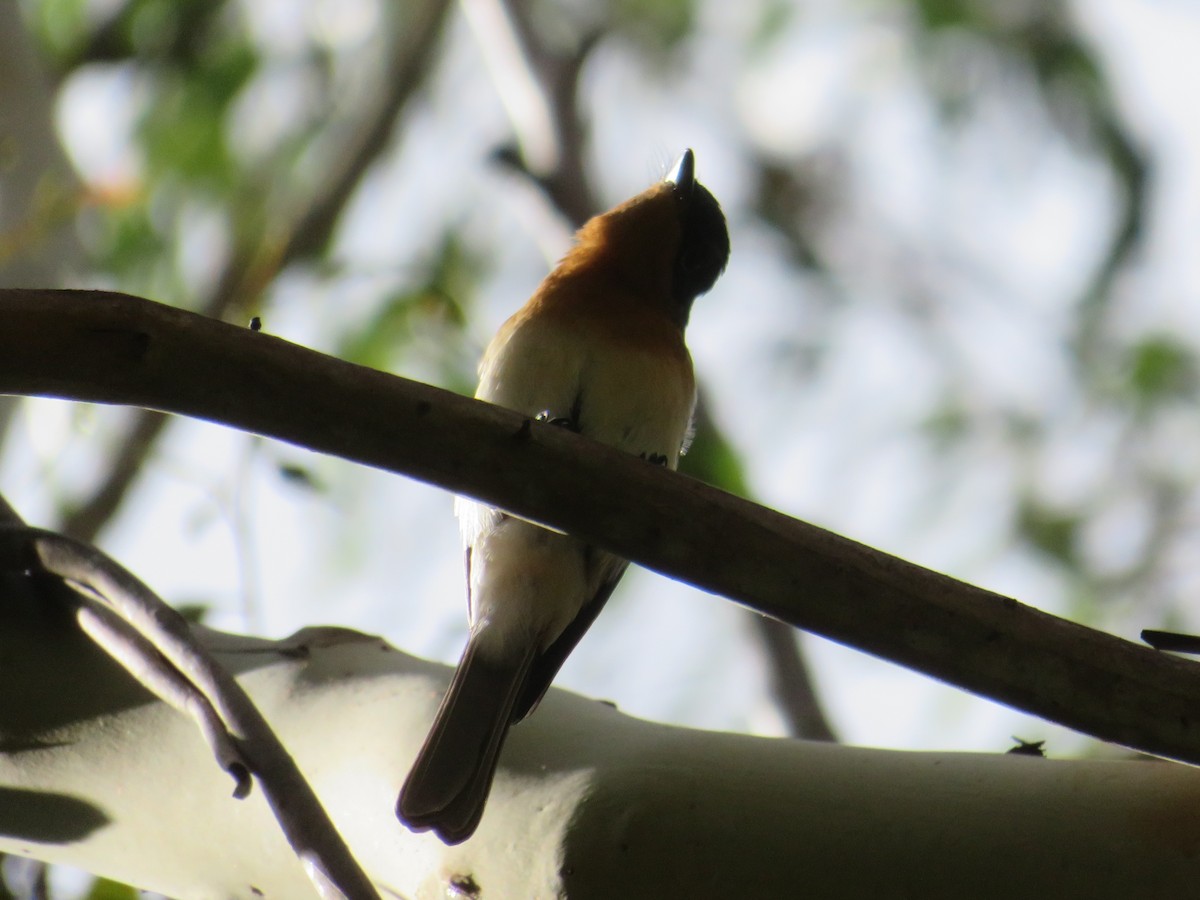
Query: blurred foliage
point(773, 20)
point(1044, 40)
point(103, 889)
point(428, 312)
point(183, 129)
point(1037, 60)
point(1161, 368)
point(712, 458)
point(75, 32)
point(1051, 532)
point(183, 64)
point(657, 25)
point(62, 27)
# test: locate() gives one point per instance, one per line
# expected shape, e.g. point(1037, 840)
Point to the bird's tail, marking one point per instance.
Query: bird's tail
point(449, 782)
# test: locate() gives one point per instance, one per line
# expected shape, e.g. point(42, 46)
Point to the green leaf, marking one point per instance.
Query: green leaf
point(1054, 533)
point(183, 130)
point(61, 26)
point(772, 24)
point(947, 425)
point(938, 14)
point(103, 889)
point(657, 23)
point(714, 460)
point(1159, 368)
point(430, 305)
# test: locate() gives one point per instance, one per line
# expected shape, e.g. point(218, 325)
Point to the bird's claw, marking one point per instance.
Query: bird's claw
point(559, 421)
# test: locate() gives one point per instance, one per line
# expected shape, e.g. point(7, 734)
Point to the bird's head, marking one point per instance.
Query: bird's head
point(669, 243)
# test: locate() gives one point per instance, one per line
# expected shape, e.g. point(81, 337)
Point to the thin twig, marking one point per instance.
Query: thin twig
point(565, 183)
point(516, 83)
point(156, 646)
point(251, 742)
point(408, 66)
point(791, 682)
point(84, 521)
point(142, 660)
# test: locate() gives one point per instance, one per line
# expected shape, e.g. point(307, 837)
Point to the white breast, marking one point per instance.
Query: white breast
point(526, 580)
point(627, 396)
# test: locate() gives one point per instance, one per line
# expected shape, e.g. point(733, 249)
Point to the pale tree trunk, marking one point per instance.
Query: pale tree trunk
point(588, 802)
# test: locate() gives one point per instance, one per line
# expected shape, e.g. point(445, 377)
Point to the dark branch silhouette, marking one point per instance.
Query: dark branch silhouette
point(112, 348)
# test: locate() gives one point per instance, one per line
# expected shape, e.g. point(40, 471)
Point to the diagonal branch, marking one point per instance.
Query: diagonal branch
point(112, 348)
point(549, 144)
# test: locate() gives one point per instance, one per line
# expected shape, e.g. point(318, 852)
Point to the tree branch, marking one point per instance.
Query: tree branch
point(113, 348)
point(791, 683)
point(588, 802)
point(84, 521)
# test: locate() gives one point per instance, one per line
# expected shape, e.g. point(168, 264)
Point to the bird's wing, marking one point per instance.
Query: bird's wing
point(545, 667)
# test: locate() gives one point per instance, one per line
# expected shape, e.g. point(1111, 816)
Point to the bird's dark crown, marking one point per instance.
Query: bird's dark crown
point(669, 243)
point(703, 248)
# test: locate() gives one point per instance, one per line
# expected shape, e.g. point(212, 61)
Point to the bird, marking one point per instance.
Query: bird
point(598, 349)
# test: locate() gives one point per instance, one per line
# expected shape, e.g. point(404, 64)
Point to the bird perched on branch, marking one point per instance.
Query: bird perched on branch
point(597, 349)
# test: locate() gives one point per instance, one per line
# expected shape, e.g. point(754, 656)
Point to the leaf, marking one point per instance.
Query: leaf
point(939, 14)
point(658, 24)
point(183, 130)
point(1161, 368)
point(301, 477)
point(1054, 533)
point(431, 304)
point(711, 458)
point(61, 26)
point(947, 425)
point(103, 889)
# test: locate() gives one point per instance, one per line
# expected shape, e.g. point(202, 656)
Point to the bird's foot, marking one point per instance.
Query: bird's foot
point(559, 421)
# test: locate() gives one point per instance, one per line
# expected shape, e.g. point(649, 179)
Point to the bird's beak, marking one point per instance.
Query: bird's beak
point(683, 173)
